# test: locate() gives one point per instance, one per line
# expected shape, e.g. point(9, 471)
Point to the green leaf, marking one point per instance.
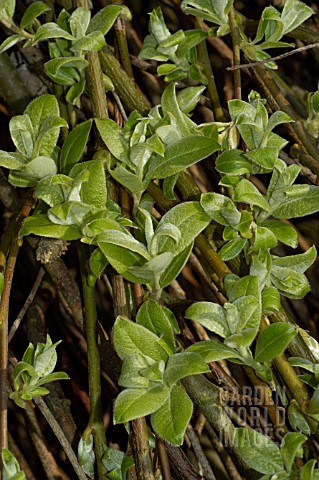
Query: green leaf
point(93, 191)
point(246, 192)
point(289, 282)
point(293, 207)
point(69, 213)
point(86, 455)
point(171, 420)
point(74, 146)
point(64, 70)
point(129, 180)
point(40, 109)
point(190, 219)
point(125, 240)
point(154, 317)
point(233, 162)
point(131, 338)
point(215, 12)
point(7, 8)
point(294, 13)
point(11, 467)
point(182, 365)
point(242, 287)
point(307, 471)
point(291, 447)
point(134, 371)
point(180, 155)
point(210, 315)
point(249, 312)
point(273, 340)
point(298, 263)
point(122, 260)
point(92, 42)
point(97, 263)
point(175, 266)
point(104, 19)
point(13, 161)
point(297, 419)
point(264, 239)
point(232, 248)
point(79, 21)
point(189, 97)
point(45, 357)
point(284, 233)
point(32, 12)
point(41, 225)
point(258, 451)
point(270, 300)
point(220, 208)
point(111, 135)
point(22, 134)
point(263, 159)
point(10, 41)
point(52, 377)
point(212, 351)
point(50, 30)
point(137, 402)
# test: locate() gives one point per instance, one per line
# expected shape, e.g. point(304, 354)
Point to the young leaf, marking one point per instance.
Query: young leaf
point(131, 338)
point(138, 402)
point(93, 41)
point(210, 315)
point(40, 109)
point(289, 282)
point(41, 225)
point(133, 367)
point(93, 191)
point(74, 146)
point(233, 162)
point(10, 41)
point(104, 19)
point(180, 155)
point(258, 451)
point(32, 12)
point(298, 263)
point(22, 134)
point(154, 317)
point(220, 208)
point(291, 447)
point(190, 219)
point(232, 248)
point(182, 365)
point(212, 351)
point(50, 30)
point(273, 340)
point(171, 420)
point(246, 192)
point(293, 207)
point(86, 455)
point(284, 233)
point(11, 467)
point(175, 266)
point(270, 299)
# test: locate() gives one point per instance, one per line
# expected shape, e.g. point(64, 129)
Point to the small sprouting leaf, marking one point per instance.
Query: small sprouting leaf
point(40, 109)
point(117, 464)
point(79, 21)
point(307, 471)
point(182, 365)
point(11, 467)
point(188, 97)
point(264, 239)
point(289, 282)
point(232, 248)
point(97, 263)
point(32, 12)
point(64, 70)
point(13, 160)
point(50, 30)
point(135, 369)
point(41, 225)
point(294, 13)
point(246, 192)
point(154, 317)
point(74, 146)
point(138, 402)
point(258, 451)
point(111, 135)
point(215, 12)
point(242, 287)
point(171, 420)
point(175, 266)
point(212, 351)
point(93, 191)
point(45, 357)
point(273, 340)
point(297, 419)
point(180, 155)
point(86, 455)
point(210, 315)
point(291, 447)
point(131, 338)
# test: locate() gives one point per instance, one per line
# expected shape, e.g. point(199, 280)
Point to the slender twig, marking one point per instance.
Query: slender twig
point(207, 69)
point(201, 457)
point(163, 458)
point(94, 368)
point(271, 59)
point(4, 314)
point(61, 437)
point(27, 303)
point(236, 52)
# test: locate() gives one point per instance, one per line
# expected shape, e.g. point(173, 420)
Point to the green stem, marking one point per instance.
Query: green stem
point(207, 69)
point(96, 413)
point(130, 96)
point(236, 52)
point(4, 315)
